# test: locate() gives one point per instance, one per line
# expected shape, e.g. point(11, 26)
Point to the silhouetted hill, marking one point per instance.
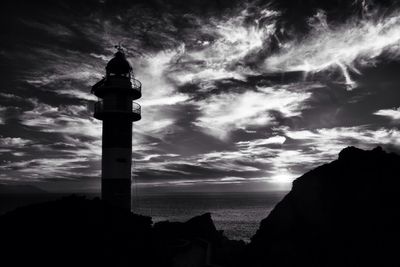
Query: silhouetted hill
point(72, 230)
point(20, 189)
point(345, 213)
point(77, 231)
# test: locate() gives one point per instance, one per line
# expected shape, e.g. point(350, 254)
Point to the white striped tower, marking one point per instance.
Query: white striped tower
point(116, 92)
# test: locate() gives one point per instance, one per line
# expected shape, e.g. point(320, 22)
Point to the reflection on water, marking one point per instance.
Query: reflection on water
point(238, 214)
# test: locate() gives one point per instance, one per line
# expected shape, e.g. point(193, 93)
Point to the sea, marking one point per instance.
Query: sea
point(237, 214)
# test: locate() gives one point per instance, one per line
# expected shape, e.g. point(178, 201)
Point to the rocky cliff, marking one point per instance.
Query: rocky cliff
point(75, 231)
point(345, 213)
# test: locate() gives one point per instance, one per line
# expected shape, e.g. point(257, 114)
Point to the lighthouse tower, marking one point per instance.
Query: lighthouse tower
point(116, 92)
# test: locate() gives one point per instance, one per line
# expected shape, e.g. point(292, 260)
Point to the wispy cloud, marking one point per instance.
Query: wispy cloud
point(393, 114)
point(13, 142)
point(226, 112)
point(2, 115)
point(345, 47)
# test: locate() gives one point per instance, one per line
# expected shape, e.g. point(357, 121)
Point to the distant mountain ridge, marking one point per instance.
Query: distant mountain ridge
point(20, 189)
point(345, 213)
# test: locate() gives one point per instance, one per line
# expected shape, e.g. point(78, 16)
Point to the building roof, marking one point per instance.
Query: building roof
point(118, 64)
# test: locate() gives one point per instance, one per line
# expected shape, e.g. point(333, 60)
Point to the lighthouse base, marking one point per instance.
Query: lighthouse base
point(117, 193)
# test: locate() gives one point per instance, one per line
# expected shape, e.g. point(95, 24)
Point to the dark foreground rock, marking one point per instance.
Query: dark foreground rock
point(76, 231)
point(346, 213)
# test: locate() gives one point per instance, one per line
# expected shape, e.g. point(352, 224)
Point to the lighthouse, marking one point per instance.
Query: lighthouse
point(115, 107)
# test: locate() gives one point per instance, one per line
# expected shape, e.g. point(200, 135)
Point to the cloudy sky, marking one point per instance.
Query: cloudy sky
point(237, 95)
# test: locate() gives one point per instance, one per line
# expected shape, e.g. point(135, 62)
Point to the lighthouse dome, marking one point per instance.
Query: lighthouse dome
point(118, 65)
